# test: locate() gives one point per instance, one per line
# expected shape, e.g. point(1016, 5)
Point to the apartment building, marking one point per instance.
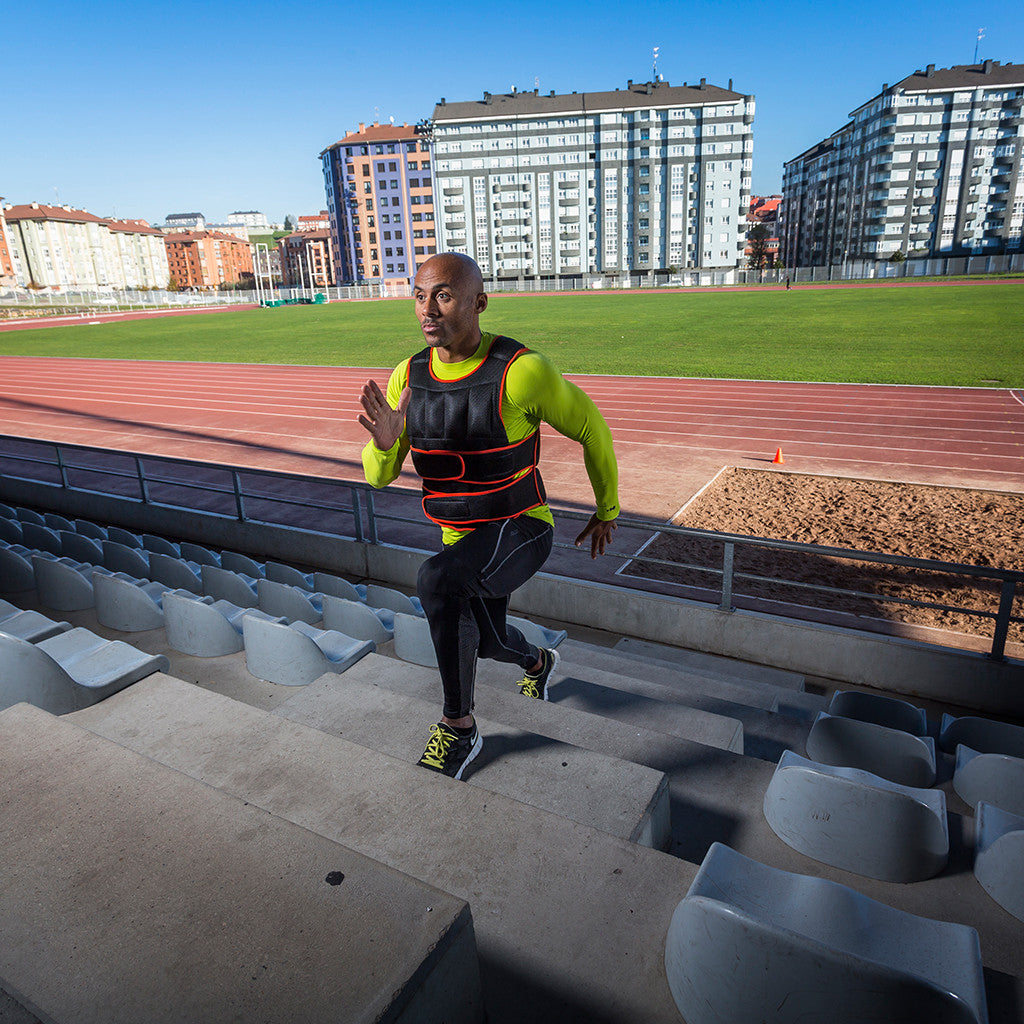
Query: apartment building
point(378, 181)
point(764, 211)
point(208, 259)
point(7, 277)
point(653, 177)
point(60, 247)
point(315, 221)
point(928, 166)
point(307, 258)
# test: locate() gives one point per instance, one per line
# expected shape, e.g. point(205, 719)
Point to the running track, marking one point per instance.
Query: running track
point(672, 435)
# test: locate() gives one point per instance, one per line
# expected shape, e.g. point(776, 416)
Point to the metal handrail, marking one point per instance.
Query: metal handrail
point(362, 507)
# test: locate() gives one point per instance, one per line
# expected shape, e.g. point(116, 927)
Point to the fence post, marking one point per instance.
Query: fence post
point(357, 513)
point(143, 486)
point(727, 561)
point(1002, 620)
point(371, 518)
point(239, 500)
point(63, 469)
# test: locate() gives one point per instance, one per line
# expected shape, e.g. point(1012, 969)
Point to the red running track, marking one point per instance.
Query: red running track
point(671, 434)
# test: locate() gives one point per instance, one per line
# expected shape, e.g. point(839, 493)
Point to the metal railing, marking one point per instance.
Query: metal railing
point(323, 506)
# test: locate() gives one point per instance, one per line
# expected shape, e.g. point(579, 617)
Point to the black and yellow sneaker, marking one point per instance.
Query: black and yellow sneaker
point(536, 686)
point(449, 751)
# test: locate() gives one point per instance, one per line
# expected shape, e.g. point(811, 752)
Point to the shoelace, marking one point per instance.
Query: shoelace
point(437, 748)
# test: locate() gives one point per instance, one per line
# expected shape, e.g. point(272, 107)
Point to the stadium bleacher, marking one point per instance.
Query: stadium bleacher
point(247, 816)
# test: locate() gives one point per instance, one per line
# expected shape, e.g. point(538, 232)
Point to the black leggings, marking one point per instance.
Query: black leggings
point(465, 590)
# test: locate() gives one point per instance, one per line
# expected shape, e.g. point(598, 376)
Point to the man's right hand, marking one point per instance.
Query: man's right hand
point(384, 423)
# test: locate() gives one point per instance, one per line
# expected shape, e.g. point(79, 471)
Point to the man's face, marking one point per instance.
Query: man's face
point(449, 301)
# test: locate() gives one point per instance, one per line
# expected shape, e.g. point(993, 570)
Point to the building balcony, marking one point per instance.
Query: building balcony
point(921, 218)
point(457, 191)
point(454, 207)
point(927, 165)
point(568, 201)
point(1002, 178)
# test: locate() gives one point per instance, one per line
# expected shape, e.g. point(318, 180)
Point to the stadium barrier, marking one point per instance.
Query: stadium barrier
point(347, 508)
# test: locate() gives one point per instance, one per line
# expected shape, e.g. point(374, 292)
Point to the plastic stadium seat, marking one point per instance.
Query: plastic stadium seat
point(857, 821)
point(237, 562)
point(355, 619)
point(998, 856)
point(42, 538)
point(160, 544)
point(385, 597)
point(80, 548)
point(278, 572)
point(753, 943)
point(57, 522)
point(28, 625)
point(198, 554)
point(891, 753)
point(538, 635)
point(873, 707)
point(16, 573)
point(63, 584)
point(11, 531)
point(70, 671)
point(996, 779)
point(325, 583)
point(203, 627)
point(412, 640)
point(88, 529)
point(128, 604)
point(6, 512)
point(125, 537)
point(296, 655)
point(28, 515)
point(225, 585)
point(981, 734)
point(175, 572)
point(119, 557)
point(292, 603)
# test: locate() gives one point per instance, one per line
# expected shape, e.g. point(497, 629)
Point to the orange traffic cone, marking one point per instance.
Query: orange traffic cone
point(778, 460)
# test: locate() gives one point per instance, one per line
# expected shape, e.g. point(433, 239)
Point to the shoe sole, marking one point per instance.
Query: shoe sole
point(554, 664)
point(474, 750)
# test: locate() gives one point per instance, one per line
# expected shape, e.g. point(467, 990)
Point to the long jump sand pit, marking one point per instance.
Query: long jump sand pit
point(948, 524)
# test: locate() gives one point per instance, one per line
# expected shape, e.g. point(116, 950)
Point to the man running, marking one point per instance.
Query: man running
point(469, 407)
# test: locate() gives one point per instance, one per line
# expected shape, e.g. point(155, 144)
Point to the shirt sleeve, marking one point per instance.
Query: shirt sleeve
point(382, 468)
point(541, 393)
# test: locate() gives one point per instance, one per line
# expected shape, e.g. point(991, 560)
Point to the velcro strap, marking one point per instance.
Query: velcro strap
point(467, 510)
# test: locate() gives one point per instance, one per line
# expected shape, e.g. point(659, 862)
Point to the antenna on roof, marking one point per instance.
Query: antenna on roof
point(654, 70)
point(392, 118)
point(981, 35)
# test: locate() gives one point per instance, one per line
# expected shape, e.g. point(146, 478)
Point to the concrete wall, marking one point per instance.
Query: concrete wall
point(863, 659)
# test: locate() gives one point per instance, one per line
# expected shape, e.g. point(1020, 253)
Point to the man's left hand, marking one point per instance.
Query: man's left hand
point(600, 533)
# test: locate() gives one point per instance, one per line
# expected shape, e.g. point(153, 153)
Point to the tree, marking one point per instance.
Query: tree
point(759, 257)
point(897, 257)
point(289, 223)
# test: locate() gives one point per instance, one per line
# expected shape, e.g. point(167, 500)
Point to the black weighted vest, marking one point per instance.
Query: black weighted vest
point(460, 448)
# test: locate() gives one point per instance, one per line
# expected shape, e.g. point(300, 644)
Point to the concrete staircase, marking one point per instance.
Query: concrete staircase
point(195, 817)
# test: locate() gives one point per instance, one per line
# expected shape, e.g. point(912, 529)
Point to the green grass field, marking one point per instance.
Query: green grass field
point(969, 335)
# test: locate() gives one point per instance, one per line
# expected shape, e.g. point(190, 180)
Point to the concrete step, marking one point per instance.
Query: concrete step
point(132, 892)
point(766, 734)
point(621, 798)
point(711, 664)
point(570, 922)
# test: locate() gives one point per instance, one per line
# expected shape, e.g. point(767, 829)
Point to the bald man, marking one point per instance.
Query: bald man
point(469, 408)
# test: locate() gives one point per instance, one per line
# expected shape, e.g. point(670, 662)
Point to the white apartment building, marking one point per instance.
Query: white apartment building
point(630, 182)
point(929, 166)
point(63, 248)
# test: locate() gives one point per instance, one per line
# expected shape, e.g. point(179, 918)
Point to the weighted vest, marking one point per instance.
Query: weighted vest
point(460, 448)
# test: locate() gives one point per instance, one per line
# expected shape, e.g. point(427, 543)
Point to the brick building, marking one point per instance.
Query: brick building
point(6, 260)
point(307, 258)
point(208, 259)
point(765, 210)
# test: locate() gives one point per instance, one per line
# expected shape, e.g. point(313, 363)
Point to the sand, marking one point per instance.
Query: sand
point(968, 527)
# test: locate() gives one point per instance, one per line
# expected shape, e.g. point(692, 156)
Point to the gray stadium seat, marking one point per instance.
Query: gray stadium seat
point(355, 619)
point(296, 655)
point(125, 537)
point(538, 635)
point(160, 544)
point(57, 522)
point(753, 943)
point(203, 627)
point(127, 604)
point(999, 854)
point(278, 572)
point(70, 671)
point(857, 821)
point(29, 515)
point(412, 640)
point(88, 529)
point(996, 779)
point(891, 753)
point(981, 734)
point(16, 573)
point(326, 583)
point(880, 710)
point(238, 562)
point(225, 585)
point(81, 548)
point(119, 557)
point(175, 572)
point(198, 554)
point(63, 584)
point(6, 512)
point(28, 625)
point(42, 538)
point(288, 602)
point(10, 530)
point(386, 597)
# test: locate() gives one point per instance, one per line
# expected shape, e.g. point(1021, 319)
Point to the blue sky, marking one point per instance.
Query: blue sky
point(141, 110)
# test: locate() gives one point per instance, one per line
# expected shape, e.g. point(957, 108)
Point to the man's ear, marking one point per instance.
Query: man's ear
point(481, 302)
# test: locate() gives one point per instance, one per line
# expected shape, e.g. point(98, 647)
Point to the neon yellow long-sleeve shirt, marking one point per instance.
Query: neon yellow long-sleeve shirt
point(534, 392)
